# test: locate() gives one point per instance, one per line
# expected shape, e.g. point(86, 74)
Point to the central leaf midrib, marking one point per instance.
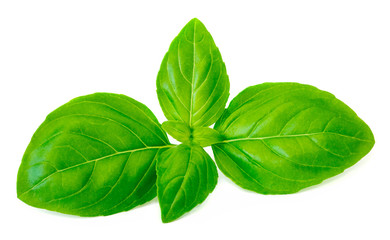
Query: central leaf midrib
point(291, 136)
point(193, 77)
point(93, 161)
point(181, 185)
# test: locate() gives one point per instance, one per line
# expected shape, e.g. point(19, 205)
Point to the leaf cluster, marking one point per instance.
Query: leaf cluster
point(106, 153)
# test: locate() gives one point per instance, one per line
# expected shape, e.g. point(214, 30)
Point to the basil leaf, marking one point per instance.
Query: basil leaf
point(192, 84)
point(282, 137)
point(202, 136)
point(185, 176)
point(205, 136)
point(93, 156)
point(178, 130)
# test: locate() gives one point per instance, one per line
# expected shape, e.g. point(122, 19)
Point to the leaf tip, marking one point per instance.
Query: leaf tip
point(195, 20)
point(166, 220)
point(167, 217)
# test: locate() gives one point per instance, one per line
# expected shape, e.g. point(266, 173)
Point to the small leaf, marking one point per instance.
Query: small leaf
point(205, 136)
point(192, 84)
point(178, 130)
point(93, 156)
point(185, 177)
point(282, 137)
point(202, 136)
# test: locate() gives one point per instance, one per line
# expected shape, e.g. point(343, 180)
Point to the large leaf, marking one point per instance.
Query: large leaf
point(93, 156)
point(282, 137)
point(185, 176)
point(192, 84)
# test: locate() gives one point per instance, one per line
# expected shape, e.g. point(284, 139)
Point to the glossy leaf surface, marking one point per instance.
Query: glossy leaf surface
point(93, 156)
point(192, 84)
point(202, 136)
point(185, 177)
point(178, 130)
point(282, 137)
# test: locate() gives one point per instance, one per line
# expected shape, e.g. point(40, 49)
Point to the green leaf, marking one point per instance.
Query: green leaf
point(178, 130)
point(192, 84)
point(202, 136)
point(282, 137)
point(205, 136)
point(93, 156)
point(185, 176)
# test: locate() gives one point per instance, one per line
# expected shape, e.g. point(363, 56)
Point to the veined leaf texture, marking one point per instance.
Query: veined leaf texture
point(186, 175)
point(106, 153)
point(282, 137)
point(93, 156)
point(192, 84)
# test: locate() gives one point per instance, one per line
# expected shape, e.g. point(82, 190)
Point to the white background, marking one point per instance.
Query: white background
point(53, 51)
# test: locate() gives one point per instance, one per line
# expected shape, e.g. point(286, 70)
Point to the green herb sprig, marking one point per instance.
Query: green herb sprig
point(106, 153)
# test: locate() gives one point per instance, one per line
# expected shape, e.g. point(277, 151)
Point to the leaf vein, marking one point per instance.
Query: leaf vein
point(256, 163)
point(111, 188)
point(97, 159)
point(138, 184)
